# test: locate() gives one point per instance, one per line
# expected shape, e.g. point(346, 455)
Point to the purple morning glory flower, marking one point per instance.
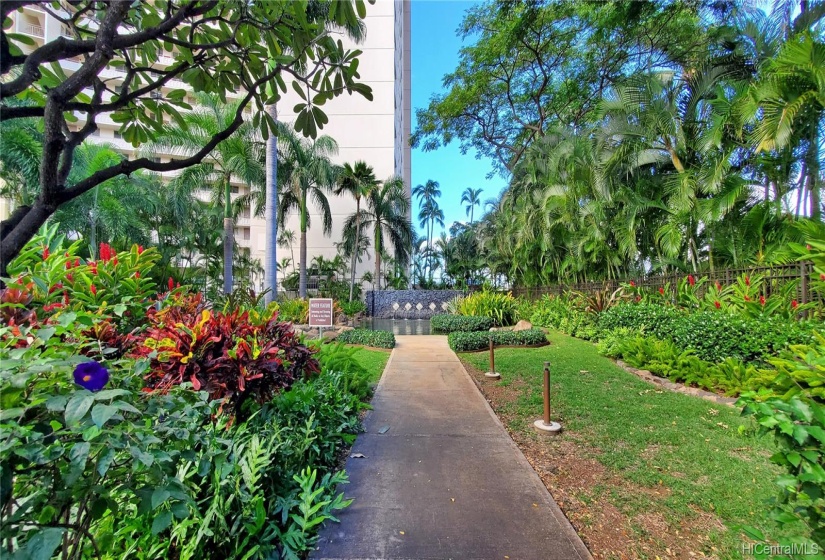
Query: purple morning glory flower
point(91, 376)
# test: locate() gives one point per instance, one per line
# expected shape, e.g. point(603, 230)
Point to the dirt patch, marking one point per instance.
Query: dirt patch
point(591, 496)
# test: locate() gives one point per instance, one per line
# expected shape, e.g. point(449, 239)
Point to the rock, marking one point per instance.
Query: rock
point(523, 326)
point(345, 328)
point(331, 335)
point(493, 329)
point(341, 319)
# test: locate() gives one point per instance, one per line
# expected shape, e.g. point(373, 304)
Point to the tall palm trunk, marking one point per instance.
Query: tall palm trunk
point(357, 245)
point(271, 212)
point(302, 282)
point(228, 238)
point(378, 248)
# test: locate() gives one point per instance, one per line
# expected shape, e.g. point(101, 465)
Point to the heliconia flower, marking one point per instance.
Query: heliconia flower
point(178, 285)
point(69, 277)
point(77, 262)
point(808, 247)
point(137, 274)
point(794, 304)
point(68, 264)
point(718, 286)
point(747, 280)
point(691, 280)
point(114, 261)
point(822, 276)
point(91, 376)
point(93, 289)
point(171, 284)
point(93, 267)
point(662, 291)
point(46, 252)
point(747, 298)
point(762, 300)
point(65, 297)
point(52, 307)
point(717, 304)
point(140, 249)
point(638, 299)
point(632, 284)
point(106, 252)
point(55, 287)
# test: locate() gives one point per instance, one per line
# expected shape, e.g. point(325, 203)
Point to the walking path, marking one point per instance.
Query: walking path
point(444, 479)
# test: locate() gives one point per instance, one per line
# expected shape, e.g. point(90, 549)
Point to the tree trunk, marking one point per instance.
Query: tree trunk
point(302, 281)
point(19, 228)
point(228, 238)
point(357, 244)
point(271, 212)
point(377, 256)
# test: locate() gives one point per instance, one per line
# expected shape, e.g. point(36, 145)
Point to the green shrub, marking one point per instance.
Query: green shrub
point(499, 307)
point(647, 318)
point(367, 337)
point(352, 308)
point(445, 323)
point(610, 342)
point(294, 310)
point(792, 410)
point(470, 341)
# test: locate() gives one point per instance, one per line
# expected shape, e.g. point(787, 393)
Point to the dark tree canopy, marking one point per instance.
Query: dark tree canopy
point(253, 47)
point(538, 65)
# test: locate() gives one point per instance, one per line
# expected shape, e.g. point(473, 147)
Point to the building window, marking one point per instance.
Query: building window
point(235, 190)
point(246, 234)
point(118, 135)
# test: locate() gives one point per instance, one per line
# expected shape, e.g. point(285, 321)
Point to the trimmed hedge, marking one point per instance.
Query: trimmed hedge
point(713, 335)
point(445, 323)
point(367, 337)
point(470, 341)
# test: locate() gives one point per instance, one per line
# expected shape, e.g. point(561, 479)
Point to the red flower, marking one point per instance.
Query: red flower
point(55, 287)
point(822, 276)
point(178, 284)
point(718, 286)
point(691, 280)
point(808, 247)
point(114, 261)
point(137, 274)
point(747, 298)
point(762, 300)
point(140, 249)
point(106, 252)
point(794, 304)
point(65, 297)
point(171, 284)
point(717, 304)
point(93, 267)
point(747, 280)
point(68, 264)
point(77, 262)
point(632, 284)
point(52, 307)
point(93, 288)
point(638, 299)
point(662, 291)
point(69, 277)
point(45, 252)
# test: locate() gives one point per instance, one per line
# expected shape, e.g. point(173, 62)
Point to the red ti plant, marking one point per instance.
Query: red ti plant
point(225, 354)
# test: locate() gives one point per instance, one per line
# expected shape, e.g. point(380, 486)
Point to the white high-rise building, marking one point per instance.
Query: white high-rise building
point(376, 132)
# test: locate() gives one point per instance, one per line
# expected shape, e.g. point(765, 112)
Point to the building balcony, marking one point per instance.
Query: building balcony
point(31, 30)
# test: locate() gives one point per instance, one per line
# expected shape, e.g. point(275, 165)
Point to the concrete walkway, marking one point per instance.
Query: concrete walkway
point(444, 479)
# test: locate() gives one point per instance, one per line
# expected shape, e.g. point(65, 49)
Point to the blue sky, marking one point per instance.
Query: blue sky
point(435, 49)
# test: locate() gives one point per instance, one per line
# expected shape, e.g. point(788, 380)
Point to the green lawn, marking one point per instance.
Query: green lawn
point(646, 437)
point(373, 361)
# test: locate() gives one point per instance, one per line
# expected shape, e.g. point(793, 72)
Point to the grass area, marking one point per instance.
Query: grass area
point(680, 458)
point(374, 361)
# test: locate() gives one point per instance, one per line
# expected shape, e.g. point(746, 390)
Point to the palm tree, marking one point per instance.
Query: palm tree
point(386, 214)
point(308, 172)
point(471, 197)
point(287, 239)
point(426, 194)
point(240, 157)
point(429, 215)
point(271, 210)
point(358, 181)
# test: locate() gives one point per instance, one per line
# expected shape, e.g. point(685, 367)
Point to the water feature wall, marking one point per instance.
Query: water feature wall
point(408, 304)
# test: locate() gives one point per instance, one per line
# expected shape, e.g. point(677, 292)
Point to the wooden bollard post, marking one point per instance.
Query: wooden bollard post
point(492, 374)
point(545, 425)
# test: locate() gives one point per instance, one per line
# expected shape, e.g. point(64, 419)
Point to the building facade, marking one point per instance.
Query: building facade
point(376, 132)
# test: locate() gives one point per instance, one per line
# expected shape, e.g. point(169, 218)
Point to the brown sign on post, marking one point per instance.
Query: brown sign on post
point(320, 312)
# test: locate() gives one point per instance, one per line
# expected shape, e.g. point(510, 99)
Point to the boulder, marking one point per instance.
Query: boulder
point(523, 326)
point(493, 329)
point(345, 328)
point(331, 335)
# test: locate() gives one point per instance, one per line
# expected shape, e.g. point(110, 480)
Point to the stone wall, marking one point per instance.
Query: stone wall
point(381, 303)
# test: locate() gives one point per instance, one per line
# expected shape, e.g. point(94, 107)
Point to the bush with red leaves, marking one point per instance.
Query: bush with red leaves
point(229, 355)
